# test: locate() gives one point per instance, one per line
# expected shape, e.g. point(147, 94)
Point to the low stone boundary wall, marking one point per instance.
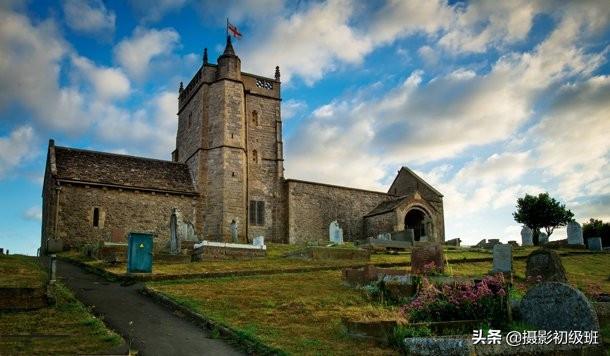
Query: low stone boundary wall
point(248, 343)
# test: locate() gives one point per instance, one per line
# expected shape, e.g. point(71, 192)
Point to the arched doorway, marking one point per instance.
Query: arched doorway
point(415, 220)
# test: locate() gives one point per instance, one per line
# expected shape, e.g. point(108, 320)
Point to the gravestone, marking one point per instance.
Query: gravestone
point(574, 233)
point(558, 306)
point(234, 236)
point(384, 236)
point(399, 236)
point(543, 239)
point(174, 239)
point(335, 233)
point(527, 236)
point(259, 241)
point(502, 258)
point(424, 254)
point(545, 264)
point(595, 244)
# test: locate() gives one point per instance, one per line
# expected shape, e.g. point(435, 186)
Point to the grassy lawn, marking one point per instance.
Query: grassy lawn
point(21, 271)
point(65, 328)
point(275, 261)
point(299, 313)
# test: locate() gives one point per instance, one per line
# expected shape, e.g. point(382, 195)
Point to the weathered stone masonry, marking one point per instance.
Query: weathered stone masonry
point(228, 166)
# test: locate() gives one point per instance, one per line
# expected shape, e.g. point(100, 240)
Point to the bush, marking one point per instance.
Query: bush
point(403, 331)
point(485, 300)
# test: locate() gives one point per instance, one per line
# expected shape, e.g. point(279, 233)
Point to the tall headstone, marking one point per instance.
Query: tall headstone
point(502, 258)
point(545, 265)
point(174, 240)
point(558, 306)
point(335, 233)
point(527, 236)
point(575, 233)
point(234, 230)
point(595, 243)
point(423, 255)
point(543, 239)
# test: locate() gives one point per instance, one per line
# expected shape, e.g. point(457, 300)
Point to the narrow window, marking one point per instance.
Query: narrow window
point(255, 117)
point(257, 212)
point(188, 123)
point(260, 213)
point(96, 217)
point(254, 156)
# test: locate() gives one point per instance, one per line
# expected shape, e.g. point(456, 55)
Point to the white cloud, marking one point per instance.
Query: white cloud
point(136, 53)
point(34, 213)
point(149, 131)
point(307, 43)
point(152, 11)
point(292, 107)
point(89, 17)
point(30, 57)
point(108, 82)
point(15, 148)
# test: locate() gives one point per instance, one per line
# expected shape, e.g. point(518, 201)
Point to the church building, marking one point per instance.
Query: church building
point(227, 172)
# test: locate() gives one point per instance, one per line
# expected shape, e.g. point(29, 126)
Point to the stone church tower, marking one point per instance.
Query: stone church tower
point(226, 174)
point(230, 136)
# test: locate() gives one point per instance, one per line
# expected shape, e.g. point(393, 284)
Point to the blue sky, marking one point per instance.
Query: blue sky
point(486, 100)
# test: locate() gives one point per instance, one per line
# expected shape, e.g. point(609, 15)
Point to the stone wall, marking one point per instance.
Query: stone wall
point(378, 224)
point(265, 164)
point(312, 207)
point(121, 212)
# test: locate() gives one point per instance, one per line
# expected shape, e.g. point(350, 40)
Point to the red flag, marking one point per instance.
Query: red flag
point(233, 30)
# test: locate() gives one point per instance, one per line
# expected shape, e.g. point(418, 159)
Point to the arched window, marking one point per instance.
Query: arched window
point(255, 117)
point(254, 156)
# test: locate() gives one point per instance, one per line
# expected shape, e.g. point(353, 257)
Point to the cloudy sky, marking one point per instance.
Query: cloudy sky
point(486, 100)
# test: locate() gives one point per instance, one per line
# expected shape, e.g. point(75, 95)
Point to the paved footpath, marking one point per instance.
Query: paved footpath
point(156, 330)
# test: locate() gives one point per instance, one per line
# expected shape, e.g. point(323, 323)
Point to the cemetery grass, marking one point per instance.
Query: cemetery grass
point(21, 271)
point(299, 313)
point(65, 328)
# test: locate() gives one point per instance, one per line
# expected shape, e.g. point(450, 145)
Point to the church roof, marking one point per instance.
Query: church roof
point(386, 206)
point(109, 169)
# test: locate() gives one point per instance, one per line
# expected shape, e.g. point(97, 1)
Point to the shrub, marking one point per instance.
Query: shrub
point(485, 300)
point(404, 331)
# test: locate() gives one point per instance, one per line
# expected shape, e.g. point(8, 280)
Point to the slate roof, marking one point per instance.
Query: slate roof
point(121, 170)
point(386, 206)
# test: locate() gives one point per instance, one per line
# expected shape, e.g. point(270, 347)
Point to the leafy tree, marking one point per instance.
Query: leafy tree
point(541, 212)
point(597, 228)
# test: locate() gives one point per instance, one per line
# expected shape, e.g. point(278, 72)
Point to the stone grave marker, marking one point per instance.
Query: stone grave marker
point(575, 233)
point(335, 233)
point(174, 239)
point(595, 243)
point(259, 241)
point(502, 258)
point(546, 265)
point(234, 236)
point(558, 306)
point(424, 254)
point(384, 236)
point(527, 236)
point(543, 239)
point(410, 235)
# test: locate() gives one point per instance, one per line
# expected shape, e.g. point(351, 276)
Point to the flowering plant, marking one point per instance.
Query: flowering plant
point(483, 300)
